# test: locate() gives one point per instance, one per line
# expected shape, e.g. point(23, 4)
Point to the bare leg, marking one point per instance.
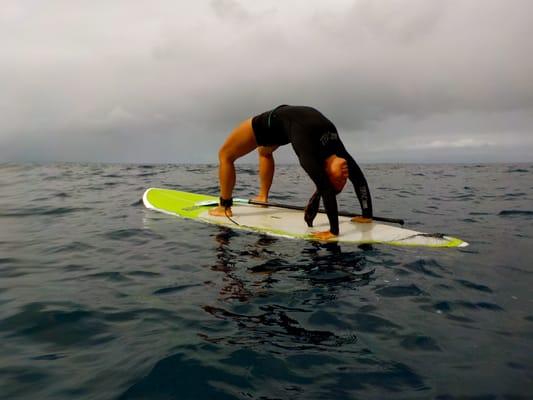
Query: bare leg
point(266, 171)
point(239, 143)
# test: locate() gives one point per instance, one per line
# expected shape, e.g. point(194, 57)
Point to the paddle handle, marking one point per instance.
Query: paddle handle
point(341, 213)
point(291, 207)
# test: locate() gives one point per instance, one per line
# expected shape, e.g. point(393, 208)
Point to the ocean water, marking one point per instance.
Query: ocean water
point(101, 298)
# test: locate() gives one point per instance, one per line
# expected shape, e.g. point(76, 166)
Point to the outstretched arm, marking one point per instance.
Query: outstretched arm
point(312, 208)
point(309, 154)
point(314, 168)
point(359, 183)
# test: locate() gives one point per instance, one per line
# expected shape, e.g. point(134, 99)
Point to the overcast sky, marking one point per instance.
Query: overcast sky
point(166, 80)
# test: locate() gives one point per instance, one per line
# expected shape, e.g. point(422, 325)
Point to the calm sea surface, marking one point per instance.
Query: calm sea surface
point(101, 298)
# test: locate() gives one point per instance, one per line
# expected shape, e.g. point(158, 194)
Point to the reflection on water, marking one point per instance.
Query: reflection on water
point(272, 324)
point(263, 330)
point(330, 268)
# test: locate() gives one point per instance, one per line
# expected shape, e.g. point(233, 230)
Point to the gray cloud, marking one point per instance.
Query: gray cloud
point(156, 81)
point(230, 9)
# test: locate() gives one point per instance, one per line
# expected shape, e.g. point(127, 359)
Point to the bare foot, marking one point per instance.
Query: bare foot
point(220, 212)
point(261, 199)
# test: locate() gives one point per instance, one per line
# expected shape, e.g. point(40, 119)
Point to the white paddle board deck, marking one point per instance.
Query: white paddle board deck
point(288, 223)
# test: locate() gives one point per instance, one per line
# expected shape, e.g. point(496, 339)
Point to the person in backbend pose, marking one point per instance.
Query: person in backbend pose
point(320, 151)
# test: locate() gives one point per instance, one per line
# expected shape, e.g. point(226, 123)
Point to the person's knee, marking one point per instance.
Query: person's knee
point(266, 151)
point(225, 155)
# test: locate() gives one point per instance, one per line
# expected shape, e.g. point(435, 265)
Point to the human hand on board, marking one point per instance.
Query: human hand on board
point(324, 235)
point(361, 220)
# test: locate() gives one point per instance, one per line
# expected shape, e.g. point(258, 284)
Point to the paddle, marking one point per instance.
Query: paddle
point(291, 207)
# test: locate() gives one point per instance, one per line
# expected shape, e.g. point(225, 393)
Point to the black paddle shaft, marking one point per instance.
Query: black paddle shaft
point(341, 213)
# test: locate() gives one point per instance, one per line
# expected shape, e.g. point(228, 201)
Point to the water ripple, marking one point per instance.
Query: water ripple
point(517, 213)
point(36, 211)
point(63, 324)
point(399, 291)
point(101, 301)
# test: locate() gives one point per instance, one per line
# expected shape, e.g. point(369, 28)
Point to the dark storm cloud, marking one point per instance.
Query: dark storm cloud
point(156, 81)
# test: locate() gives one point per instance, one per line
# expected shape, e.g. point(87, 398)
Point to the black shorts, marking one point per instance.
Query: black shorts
point(269, 130)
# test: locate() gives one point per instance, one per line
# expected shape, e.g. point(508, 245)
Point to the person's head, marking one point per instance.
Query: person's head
point(337, 171)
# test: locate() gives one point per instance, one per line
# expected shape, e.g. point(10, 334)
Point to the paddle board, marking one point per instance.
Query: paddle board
point(288, 223)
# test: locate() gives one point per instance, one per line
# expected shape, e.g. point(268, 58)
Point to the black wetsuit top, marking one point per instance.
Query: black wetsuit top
point(314, 138)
